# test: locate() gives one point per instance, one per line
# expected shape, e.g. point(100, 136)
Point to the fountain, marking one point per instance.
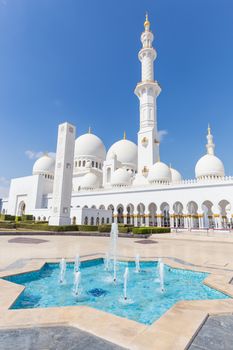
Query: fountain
point(126, 275)
point(161, 275)
point(114, 237)
point(77, 263)
point(106, 261)
point(77, 279)
point(137, 263)
point(62, 270)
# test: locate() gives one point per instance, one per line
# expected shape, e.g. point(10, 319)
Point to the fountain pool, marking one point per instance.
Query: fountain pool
point(145, 302)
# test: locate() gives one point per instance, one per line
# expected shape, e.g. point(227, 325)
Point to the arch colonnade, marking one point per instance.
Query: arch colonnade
point(176, 215)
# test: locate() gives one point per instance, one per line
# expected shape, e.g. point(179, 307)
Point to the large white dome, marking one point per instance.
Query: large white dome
point(89, 181)
point(209, 166)
point(121, 177)
point(140, 180)
point(176, 176)
point(159, 173)
point(44, 165)
point(90, 145)
point(126, 152)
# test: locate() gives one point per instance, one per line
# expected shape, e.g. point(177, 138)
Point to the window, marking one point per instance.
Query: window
point(86, 220)
point(84, 163)
point(79, 163)
point(107, 221)
point(102, 221)
point(92, 164)
point(96, 165)
point(92, 220)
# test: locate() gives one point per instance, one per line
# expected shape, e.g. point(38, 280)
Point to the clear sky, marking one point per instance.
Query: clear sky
point(76, 61)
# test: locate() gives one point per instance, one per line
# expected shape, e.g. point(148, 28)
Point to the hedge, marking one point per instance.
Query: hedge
point(87, 228)
point(7, 225)
point(104, 228)
point(148, 230)
point(27, 217)
point(7, 217)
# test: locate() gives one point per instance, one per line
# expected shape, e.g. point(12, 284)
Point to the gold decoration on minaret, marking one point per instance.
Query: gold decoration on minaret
point(209, 129)
point(124, 136)
point(89, 130)
point(147, 22)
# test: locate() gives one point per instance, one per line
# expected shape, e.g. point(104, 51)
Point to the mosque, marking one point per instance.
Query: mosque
point(85, 184)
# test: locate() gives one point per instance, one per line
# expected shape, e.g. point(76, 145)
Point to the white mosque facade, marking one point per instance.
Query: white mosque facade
point(128, 183)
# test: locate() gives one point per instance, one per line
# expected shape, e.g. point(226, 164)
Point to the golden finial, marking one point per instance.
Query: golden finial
point(158, 158)
point(147, 22)
point(89, 130)
point(209, 129)
point(124, 136)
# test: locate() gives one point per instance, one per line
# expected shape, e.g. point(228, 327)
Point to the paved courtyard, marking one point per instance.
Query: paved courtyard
point(196, 251)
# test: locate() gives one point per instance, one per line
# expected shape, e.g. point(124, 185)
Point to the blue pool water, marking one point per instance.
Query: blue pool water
point(145, 303)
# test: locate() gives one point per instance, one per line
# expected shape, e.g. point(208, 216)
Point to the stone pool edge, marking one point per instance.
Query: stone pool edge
point(174, 330)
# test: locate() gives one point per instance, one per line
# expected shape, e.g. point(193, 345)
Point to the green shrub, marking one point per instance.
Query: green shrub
point(18, 218)
point(87, 228)
point(149, 230)
point(124, 229)
point(7, 225)
point(104, 228)
point(46, 227)
point(27, 217)
point(7, 217)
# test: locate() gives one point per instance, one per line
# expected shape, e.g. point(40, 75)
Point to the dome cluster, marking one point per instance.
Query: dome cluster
point(209, 166)
point(126, 153)
point(44, 165)
point(95, 168)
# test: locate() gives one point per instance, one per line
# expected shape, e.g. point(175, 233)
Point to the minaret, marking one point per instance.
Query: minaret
point(210, 143)
point(147, 91)
point(62, 186)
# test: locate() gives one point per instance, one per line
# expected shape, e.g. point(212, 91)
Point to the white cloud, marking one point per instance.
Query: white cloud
point(4, 187)
point(162, 134)
point(35, 155)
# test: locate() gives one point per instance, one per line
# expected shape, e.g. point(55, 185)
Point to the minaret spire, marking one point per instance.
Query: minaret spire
point(210, 142)
point(147, 91)
point(147, 23)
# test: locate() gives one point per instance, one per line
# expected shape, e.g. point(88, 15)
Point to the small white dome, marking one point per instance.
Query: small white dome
point(126, 152)
point(121, 177)
point(159, 173)
point(140, 180)
point(89, 181)
point(90, 145)
point(44, 165)
point(209, 166)
point(176, 176)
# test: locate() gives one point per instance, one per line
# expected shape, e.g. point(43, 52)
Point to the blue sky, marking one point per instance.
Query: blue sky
point(76, 61)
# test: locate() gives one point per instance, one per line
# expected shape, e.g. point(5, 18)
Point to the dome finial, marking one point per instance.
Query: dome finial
point(210, 143)
point(158, 158)
point(124, 136)
point(147, 22)
point(89, 130)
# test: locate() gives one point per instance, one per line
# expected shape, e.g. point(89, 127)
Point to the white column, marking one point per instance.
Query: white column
point(147, 219)
point(172, 220)
point(125, 218)
point(159, 221)
point(200, 220)
point(63, 176)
